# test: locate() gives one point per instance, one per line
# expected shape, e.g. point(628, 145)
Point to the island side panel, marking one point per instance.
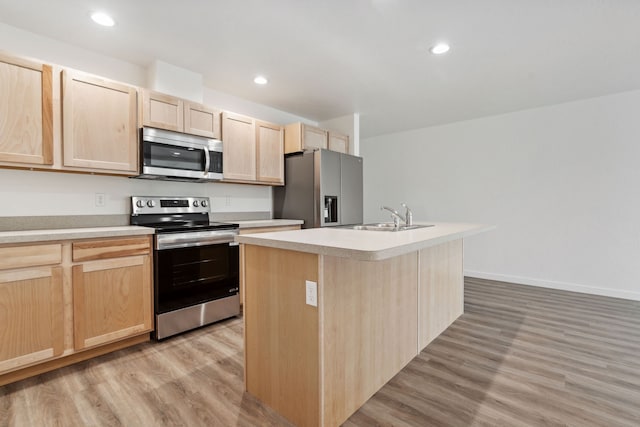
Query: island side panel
point(441, 293)
point(281, 332)
point(369, 328)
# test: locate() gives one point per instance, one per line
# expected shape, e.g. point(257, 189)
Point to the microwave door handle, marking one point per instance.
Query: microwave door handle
point(207, 161)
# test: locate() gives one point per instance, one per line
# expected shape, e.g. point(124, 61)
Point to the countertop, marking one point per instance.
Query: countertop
point(363, 245)
point(255, 223)
point(72, 233)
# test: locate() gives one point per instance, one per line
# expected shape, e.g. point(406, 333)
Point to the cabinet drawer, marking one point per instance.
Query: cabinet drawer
point(114, 248)
point(30, 256)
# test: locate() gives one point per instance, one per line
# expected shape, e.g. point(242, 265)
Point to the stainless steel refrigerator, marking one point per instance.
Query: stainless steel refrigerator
point(322, 187)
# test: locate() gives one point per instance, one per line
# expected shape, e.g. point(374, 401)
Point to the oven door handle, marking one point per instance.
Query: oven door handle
point(192, 239)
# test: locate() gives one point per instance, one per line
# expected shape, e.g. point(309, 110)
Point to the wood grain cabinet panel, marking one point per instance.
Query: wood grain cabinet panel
point(300, 137)
point(99, 124)
point(26, 111)
point(338, 142)
point(111, 300)
point(102, 249)
point(162, 111)
point(441, 295)
point(168, 112)
point(270, 153)
point(201, 120)
point(31, 316)
point(239, 145)
point(30, 256)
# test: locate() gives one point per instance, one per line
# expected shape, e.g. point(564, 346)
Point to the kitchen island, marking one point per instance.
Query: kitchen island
point(332, 314)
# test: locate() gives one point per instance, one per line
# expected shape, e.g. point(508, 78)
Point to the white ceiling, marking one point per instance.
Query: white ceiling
point(329, 58)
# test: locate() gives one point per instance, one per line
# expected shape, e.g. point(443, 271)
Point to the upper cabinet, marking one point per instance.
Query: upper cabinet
point(162, 111)
point(270, 153)
point(253, 150)
point(179, 115)
point(338, 142)
point(99, 124)
point(239, 147)
point(26, 111)
point(300, 137)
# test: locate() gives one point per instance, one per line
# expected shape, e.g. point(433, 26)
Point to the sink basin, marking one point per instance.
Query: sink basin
point(385, 226)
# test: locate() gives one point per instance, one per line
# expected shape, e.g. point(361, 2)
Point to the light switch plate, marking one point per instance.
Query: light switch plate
point(312, 293)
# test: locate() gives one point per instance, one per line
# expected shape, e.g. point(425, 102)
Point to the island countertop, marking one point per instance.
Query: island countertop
point(362, 244)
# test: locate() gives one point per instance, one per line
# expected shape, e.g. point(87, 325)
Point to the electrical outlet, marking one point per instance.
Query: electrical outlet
point(100, 200)
point(227, 200)
point(312, 293)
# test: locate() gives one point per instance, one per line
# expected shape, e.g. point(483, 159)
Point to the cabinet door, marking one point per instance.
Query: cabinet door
point(111, 300)
point(31, 313)
point(313, 138)
point(270, 152)
point(162, 111)
point(201, 120)
point(338, 142)
point(26, 111)
point(99, 126)
point(239, 147)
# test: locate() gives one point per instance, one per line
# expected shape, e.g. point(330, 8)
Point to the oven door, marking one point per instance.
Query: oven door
point(194, 275)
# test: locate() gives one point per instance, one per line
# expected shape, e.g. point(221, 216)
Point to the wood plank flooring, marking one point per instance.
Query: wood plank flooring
point(519, 356)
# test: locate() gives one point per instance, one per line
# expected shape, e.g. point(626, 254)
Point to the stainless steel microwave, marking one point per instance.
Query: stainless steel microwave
point(174, 156)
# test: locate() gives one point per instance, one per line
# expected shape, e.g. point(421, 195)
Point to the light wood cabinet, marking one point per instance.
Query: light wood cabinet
point(239, 147)
point(162, 111)
point(31, 305)
point(67, 301)
point(168, 112)
point(201, 120)
point(270, 153)
point(26, 111)
point(111, 290)
point(99, 124)
point(301, 137)
point(338, 142)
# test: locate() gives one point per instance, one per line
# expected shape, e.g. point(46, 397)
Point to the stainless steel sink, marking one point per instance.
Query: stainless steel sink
point(385, 226)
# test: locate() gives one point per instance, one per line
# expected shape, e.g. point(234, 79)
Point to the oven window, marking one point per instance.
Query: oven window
point(173, 157)
point(189, 276)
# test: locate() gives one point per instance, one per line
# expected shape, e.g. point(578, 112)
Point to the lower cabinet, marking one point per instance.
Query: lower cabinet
point(68, 301)
point(111, 300)
point(31, 319)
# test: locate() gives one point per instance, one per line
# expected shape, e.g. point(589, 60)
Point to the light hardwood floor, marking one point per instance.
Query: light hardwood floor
point(519, 356)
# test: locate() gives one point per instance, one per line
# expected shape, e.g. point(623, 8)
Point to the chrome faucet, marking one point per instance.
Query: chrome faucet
point(408, 215)
point(397, 217)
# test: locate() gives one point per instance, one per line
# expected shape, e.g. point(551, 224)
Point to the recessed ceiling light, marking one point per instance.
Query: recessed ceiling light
point(260, 80)
point(102, 19)
point(439, 49)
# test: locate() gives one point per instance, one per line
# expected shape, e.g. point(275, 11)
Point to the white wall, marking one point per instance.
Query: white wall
point(562, 184)
point(47, 193)
point(32, 193)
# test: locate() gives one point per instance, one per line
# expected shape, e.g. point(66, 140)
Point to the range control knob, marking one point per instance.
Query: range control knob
point(140, 203)
point(151, 203)
point(195, 203)
point(203, 203)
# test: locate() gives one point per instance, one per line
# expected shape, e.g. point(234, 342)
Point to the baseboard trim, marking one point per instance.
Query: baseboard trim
point(563, 286)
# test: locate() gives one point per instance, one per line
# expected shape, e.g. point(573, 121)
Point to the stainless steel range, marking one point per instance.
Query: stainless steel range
point(196, 277)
